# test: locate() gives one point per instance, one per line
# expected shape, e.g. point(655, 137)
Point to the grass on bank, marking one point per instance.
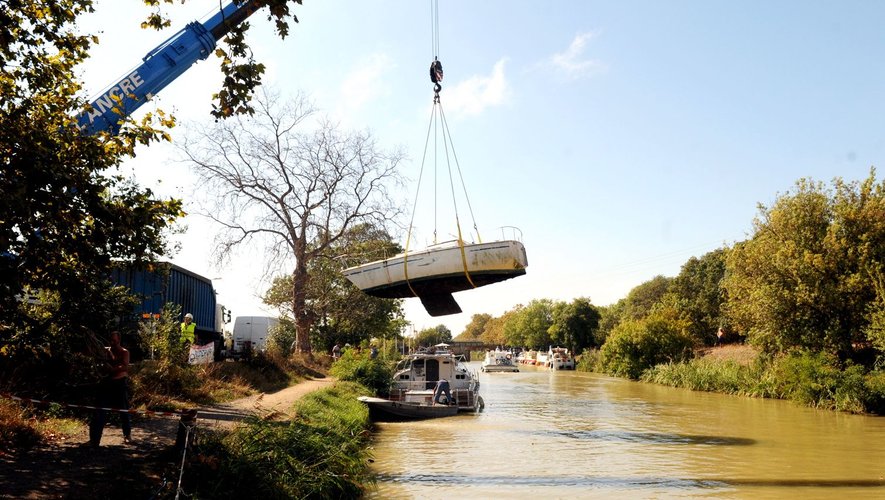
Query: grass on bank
point(321, 453)
point(810, 379)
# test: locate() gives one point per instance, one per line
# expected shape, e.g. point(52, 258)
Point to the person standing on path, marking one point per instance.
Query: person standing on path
point(112, 391)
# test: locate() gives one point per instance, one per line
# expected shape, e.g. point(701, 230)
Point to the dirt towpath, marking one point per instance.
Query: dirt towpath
point(71, 469)
point(274, 406)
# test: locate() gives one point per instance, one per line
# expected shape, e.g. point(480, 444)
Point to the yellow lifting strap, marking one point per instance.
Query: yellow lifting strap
point(406, 263)
point(463, 254)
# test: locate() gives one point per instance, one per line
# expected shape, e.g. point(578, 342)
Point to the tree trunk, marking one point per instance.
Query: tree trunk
point(303, 319)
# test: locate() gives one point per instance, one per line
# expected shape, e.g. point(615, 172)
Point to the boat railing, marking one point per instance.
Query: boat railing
point(515, 233)
point(428, 385)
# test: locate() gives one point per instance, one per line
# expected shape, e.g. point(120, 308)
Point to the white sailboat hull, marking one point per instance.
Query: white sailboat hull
point(435, 273)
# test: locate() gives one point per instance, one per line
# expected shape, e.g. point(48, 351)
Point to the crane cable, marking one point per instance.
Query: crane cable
point(436, 75)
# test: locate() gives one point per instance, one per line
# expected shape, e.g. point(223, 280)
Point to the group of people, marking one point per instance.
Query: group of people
point(113, 388)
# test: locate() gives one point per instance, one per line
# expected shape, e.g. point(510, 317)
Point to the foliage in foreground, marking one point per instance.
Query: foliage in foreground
point(810, 379)
point(322, 453)
point(356, 366)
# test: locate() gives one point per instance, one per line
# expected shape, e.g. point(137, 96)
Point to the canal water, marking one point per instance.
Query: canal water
point(578, 435)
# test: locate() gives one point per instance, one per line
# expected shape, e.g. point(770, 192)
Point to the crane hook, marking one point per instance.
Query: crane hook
point(436, 75)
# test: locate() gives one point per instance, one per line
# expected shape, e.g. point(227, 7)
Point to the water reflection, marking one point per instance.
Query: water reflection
point(624, 482)
point(652, 437)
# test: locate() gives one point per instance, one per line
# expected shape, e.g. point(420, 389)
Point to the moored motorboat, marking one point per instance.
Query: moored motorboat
point(498, 361)
point(435, 273)
point(414, 382)
point(386, 410)
point(527, 357)
point(559, 358)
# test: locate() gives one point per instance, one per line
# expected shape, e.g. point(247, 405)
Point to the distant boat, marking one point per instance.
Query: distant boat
point(559, 358)
point(554, 358)
point(435, 273)
point(498, 361)
point(527, 357)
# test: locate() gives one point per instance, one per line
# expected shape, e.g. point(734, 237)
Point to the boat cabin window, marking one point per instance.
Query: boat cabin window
point(418, 367)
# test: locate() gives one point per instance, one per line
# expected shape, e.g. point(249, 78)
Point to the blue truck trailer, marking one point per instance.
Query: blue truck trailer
point(163, 283)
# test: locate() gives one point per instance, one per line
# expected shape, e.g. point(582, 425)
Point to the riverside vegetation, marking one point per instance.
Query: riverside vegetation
point(323, 452)
point(811, 379)
point(806, 290)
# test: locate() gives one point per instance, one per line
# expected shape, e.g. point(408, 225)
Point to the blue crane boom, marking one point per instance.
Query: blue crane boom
point(162, 66)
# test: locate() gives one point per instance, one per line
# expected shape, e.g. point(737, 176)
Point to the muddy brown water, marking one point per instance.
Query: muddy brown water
point(578, 435)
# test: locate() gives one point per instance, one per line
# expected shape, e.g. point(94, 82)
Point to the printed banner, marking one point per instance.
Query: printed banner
point(201, 354)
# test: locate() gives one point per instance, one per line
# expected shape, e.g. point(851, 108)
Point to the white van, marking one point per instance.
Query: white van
point(254, 330)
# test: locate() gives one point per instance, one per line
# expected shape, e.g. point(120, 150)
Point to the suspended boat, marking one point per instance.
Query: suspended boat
point(435, 273)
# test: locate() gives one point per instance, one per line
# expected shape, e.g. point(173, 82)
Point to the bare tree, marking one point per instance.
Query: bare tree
point(294, 185)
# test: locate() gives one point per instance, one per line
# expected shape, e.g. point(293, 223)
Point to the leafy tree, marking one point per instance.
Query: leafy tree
point(67, 211)
point(574, 324)
point(473, 330)
point(636, 345)
point(642, 298)
point(343, 312)
point(293, 190)
point(242, 73)
point(493, 332)
point(810, 276)
point(610, 316)
point(530, 325)
point(699, 295)
point(875, 331)
point(432, 336)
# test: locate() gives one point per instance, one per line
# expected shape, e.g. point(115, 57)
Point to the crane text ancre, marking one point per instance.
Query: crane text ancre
point(107, 101)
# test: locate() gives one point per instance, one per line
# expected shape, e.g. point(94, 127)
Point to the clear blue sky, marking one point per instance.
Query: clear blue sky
point(622, 138)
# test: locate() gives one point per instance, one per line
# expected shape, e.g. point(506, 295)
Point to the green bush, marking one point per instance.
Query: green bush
point(281, 338)
point(814, 379)
point(354, 366)
point(636, 345)
point(322, 453)
point(589, 361)
point(807, 378)
point(875, 383)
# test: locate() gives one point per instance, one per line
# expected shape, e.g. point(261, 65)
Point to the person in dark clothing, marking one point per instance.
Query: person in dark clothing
point(112, 391)
point(442, 387)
